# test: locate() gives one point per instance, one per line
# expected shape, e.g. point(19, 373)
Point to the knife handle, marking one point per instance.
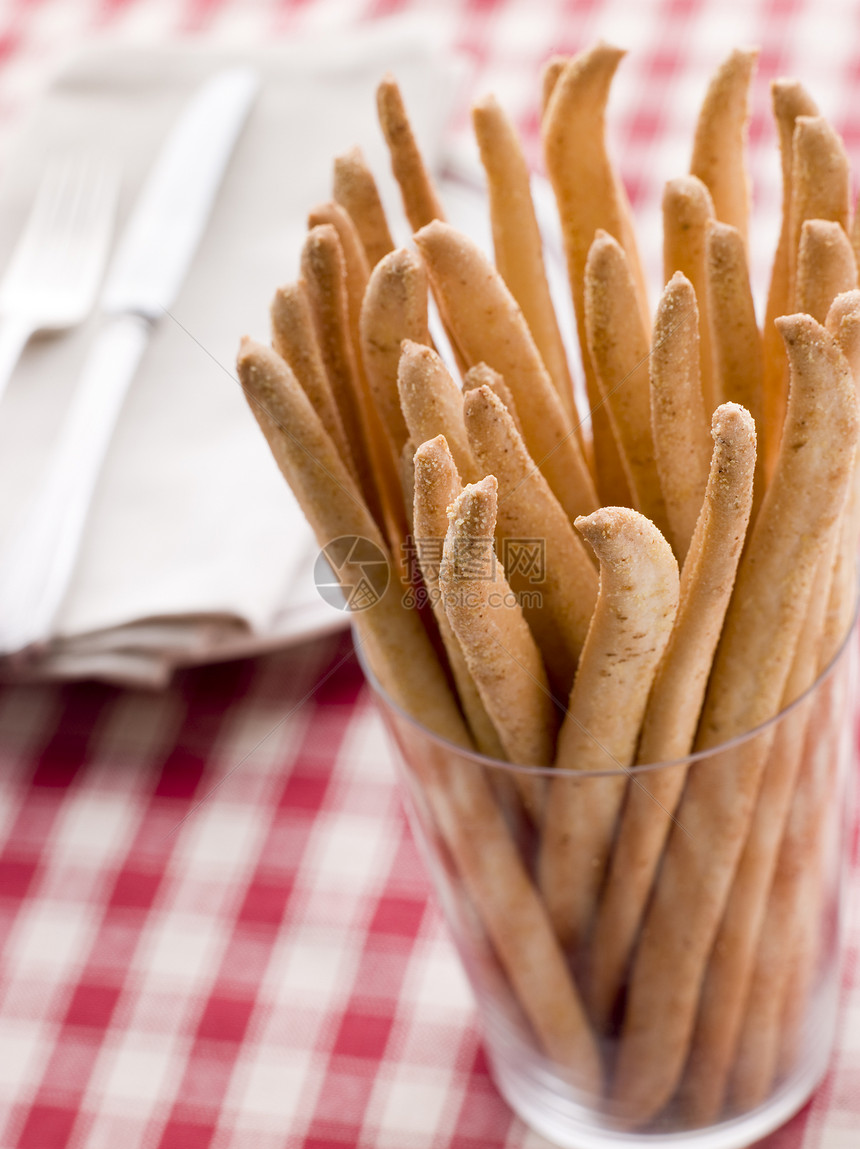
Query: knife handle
point(40, 560)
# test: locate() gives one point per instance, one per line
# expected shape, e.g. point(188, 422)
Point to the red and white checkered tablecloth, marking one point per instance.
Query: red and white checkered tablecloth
point(214, 928)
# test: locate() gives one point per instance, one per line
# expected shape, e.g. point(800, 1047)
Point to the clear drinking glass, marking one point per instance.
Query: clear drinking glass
point(766, 983)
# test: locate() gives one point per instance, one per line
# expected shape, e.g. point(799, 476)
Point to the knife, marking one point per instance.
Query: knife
point(143, 279)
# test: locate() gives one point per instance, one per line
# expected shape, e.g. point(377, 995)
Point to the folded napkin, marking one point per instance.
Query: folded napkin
point(195, 549)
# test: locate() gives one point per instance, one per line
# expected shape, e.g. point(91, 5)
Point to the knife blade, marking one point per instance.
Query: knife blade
point(145, 274)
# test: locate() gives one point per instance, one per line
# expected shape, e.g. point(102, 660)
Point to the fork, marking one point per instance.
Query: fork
point(54, 272)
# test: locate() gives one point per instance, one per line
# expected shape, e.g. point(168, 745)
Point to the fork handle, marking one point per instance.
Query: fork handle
point(41, 558)
point(14, 334)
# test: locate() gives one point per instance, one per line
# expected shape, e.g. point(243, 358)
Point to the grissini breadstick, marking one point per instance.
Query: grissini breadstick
point(489, 328)
point(792, 905)
point(493, 634)
point(432, 405)
point(354, 259)
point(730, 968)
point(790, 100)
point(589, 195)
point(420, 199)
point(682, 445)
point(383, 458)
point(294, 339)
point(483, 376)
point(618, 347)
point(517, 243)
point(550, 73)
point(399, 649)
point(687, 209)
point(669, 726)
point(324, 273)
point(751, 668)
point(469, 818)
point(394, 309)
point(843, 323)
point(825, 266)
point(437, 485)
point(354, 188)
point(719, 144)
point(820, 183)
point(561, 571)
point(735, 337)
point(635, 610)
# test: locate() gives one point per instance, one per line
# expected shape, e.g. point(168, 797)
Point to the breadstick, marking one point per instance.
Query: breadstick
point(400, 651)
point(294, 340)
point(354, 259)
point(735, 337)
point(820, 183)
point(672, 714)
point(483, 376)
point(394, 309)
point(746, 687)
point(843, 323)
point(517, 243)
point(619, 349)
point(496, 642)
point(825, 267)
point(682, 447)
point(635, 609)
point(432, 404)
point(719, 144)
point(590, 196)
point(529, 515)
point(465, 809)
point(732, 961)
point(687, 209)
point(420, 200)
point(324, 273)
point(489, 327)
point(793, 902)
point(354, 188)
point(790, 100)
point(550, 73)
point(437, 485)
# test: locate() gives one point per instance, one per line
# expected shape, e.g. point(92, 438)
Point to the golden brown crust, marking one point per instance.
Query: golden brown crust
point(790, 100)
point(517, 243)
point(394, 309)
point(635, 610)
point(354, 188)
point(674, 704)
point(687, 210)
point(747, 683)
point(420, 199)
point(495, 638)
point(489, 328)
point(682, 445)
point(294, 339)
point(528, 510)
point(437, 485)
point(618, 346)
point(719, 144)
point(432, 405)
point(825, 266)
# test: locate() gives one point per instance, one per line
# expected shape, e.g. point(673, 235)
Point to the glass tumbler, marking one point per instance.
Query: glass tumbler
point(676, 981)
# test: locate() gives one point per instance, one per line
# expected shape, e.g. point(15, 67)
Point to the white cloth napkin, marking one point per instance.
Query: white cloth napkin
point(195, 549)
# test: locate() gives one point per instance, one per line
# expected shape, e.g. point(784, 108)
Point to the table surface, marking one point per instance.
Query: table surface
point(215, 928)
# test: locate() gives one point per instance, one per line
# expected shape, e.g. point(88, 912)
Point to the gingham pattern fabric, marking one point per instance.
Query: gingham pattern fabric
point(214, 928)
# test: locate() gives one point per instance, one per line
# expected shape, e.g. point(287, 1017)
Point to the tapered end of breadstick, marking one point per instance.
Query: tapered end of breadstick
point(843, 323)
